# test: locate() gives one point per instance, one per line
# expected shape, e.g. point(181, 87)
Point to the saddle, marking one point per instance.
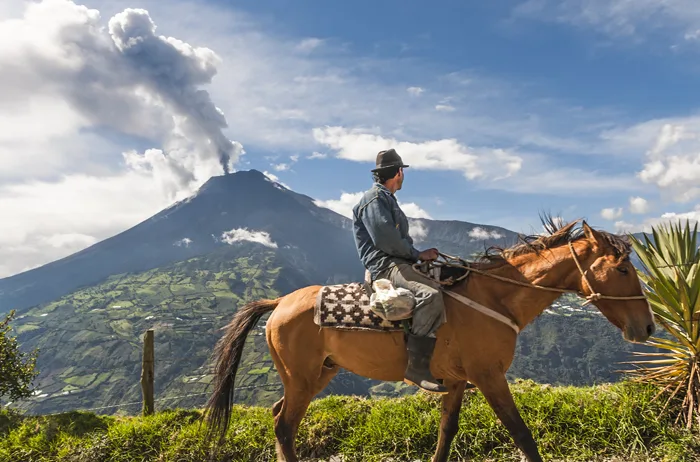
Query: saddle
point(443, 273)
point(347, 306)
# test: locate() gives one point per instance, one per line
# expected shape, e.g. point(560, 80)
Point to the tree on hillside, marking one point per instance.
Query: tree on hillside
point(671, 275)
point(17, 368)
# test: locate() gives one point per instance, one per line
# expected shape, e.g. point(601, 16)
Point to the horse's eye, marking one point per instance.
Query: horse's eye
point(622, 269)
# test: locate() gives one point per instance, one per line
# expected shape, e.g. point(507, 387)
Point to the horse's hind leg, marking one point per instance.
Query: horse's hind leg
point(298, 393)
point(301, 384)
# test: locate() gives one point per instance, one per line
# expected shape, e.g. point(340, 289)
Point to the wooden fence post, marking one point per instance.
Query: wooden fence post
point(147, 372)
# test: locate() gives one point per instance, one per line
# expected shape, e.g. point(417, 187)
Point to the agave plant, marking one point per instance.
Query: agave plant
point(671, 276)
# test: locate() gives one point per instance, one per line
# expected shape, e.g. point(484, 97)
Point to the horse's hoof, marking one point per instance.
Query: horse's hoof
point(440, 391)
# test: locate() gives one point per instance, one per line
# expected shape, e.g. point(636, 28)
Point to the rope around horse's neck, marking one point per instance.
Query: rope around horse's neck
point(471, 269)
point(509, 280)
point(589, 298)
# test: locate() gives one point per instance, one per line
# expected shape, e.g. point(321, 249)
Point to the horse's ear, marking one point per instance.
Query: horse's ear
point(591, 234)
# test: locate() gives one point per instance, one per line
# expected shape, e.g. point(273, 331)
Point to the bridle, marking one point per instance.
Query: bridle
point(592, 297)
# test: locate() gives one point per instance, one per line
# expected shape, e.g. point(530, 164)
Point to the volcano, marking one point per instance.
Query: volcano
point(244, 200)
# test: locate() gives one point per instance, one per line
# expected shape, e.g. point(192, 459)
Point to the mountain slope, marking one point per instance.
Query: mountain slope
point(242, 200)
point(245, 200)
point(90, 341)
point(459, 238)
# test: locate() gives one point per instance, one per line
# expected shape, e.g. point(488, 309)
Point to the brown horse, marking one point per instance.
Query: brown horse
point(472, 347)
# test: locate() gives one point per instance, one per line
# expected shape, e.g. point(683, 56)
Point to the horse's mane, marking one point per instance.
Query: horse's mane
point(557, 233)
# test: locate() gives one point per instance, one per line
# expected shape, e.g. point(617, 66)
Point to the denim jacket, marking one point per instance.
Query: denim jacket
point(381, 231)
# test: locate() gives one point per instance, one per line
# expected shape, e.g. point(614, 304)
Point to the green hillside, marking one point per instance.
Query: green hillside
point(90, 341)
point(603, 423)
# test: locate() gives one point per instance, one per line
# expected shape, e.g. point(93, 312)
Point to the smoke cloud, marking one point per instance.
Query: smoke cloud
point(121, 78)
point(172, 70)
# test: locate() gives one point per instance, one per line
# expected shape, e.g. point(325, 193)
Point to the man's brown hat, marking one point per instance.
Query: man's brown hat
point(388, 158)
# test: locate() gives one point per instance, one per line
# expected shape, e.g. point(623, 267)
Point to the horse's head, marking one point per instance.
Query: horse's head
point(608, 271)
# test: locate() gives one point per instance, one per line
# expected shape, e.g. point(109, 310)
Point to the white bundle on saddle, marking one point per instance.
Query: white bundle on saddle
point(391, 303)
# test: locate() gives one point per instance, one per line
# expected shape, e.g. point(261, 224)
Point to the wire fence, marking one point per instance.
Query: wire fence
point(278, 385)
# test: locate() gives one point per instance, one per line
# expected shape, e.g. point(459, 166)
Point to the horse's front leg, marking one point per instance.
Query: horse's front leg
point(451, 404)
point(497, 392)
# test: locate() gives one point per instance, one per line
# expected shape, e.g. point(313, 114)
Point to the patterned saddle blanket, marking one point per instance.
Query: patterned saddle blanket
point(346, 306)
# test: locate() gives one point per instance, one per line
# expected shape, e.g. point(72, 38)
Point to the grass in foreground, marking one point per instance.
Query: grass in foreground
point(594, 423)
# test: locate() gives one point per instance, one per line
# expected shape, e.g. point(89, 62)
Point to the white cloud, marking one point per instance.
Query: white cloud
point(669, 136)
point(672, 154)
point(666, 218)
point(69, 240)
point(309, 44)
point(692, 35)
point(347, 201)
point(490, 168)
point(271, 176)
point(639, 205)
point(41, 125)
point(444, 108)
point(167, 172)
point(415, 91)
point(679, 174)
point(185, 241)
point(342, 206)
point(413, 210)
point(632, 20)
point(275, 179)
point(479, 234)
point(623, 227)
point(672, 149)
point(243, 234)
point(654, 137)
point(693, 216)
point(417, 229)
point(44, 221)
point(281, 167)
point(446, 154)
point(317, 155)
point(611, 213)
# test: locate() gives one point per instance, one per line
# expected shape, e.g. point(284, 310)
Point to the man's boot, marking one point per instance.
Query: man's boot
point(420, 351)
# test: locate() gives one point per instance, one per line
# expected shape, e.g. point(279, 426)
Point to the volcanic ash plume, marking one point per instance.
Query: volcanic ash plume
point(173, 69)
point(122, 78)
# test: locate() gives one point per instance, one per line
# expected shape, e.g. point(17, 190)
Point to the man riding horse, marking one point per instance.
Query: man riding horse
point(386, 250)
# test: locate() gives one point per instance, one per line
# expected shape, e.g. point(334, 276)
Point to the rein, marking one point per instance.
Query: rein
point(593, 296)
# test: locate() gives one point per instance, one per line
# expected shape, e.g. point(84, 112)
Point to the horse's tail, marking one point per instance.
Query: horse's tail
point(228, 353)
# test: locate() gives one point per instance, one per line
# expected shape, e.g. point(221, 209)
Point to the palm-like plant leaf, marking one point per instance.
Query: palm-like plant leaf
point(671, 279)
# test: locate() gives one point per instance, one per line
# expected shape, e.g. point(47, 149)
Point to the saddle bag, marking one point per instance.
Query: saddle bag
point(391, 303)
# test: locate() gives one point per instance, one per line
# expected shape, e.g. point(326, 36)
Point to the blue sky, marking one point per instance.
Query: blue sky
point(503, 109)
point(577, 79)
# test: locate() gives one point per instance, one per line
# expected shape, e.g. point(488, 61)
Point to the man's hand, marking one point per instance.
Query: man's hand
point(428, 255)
